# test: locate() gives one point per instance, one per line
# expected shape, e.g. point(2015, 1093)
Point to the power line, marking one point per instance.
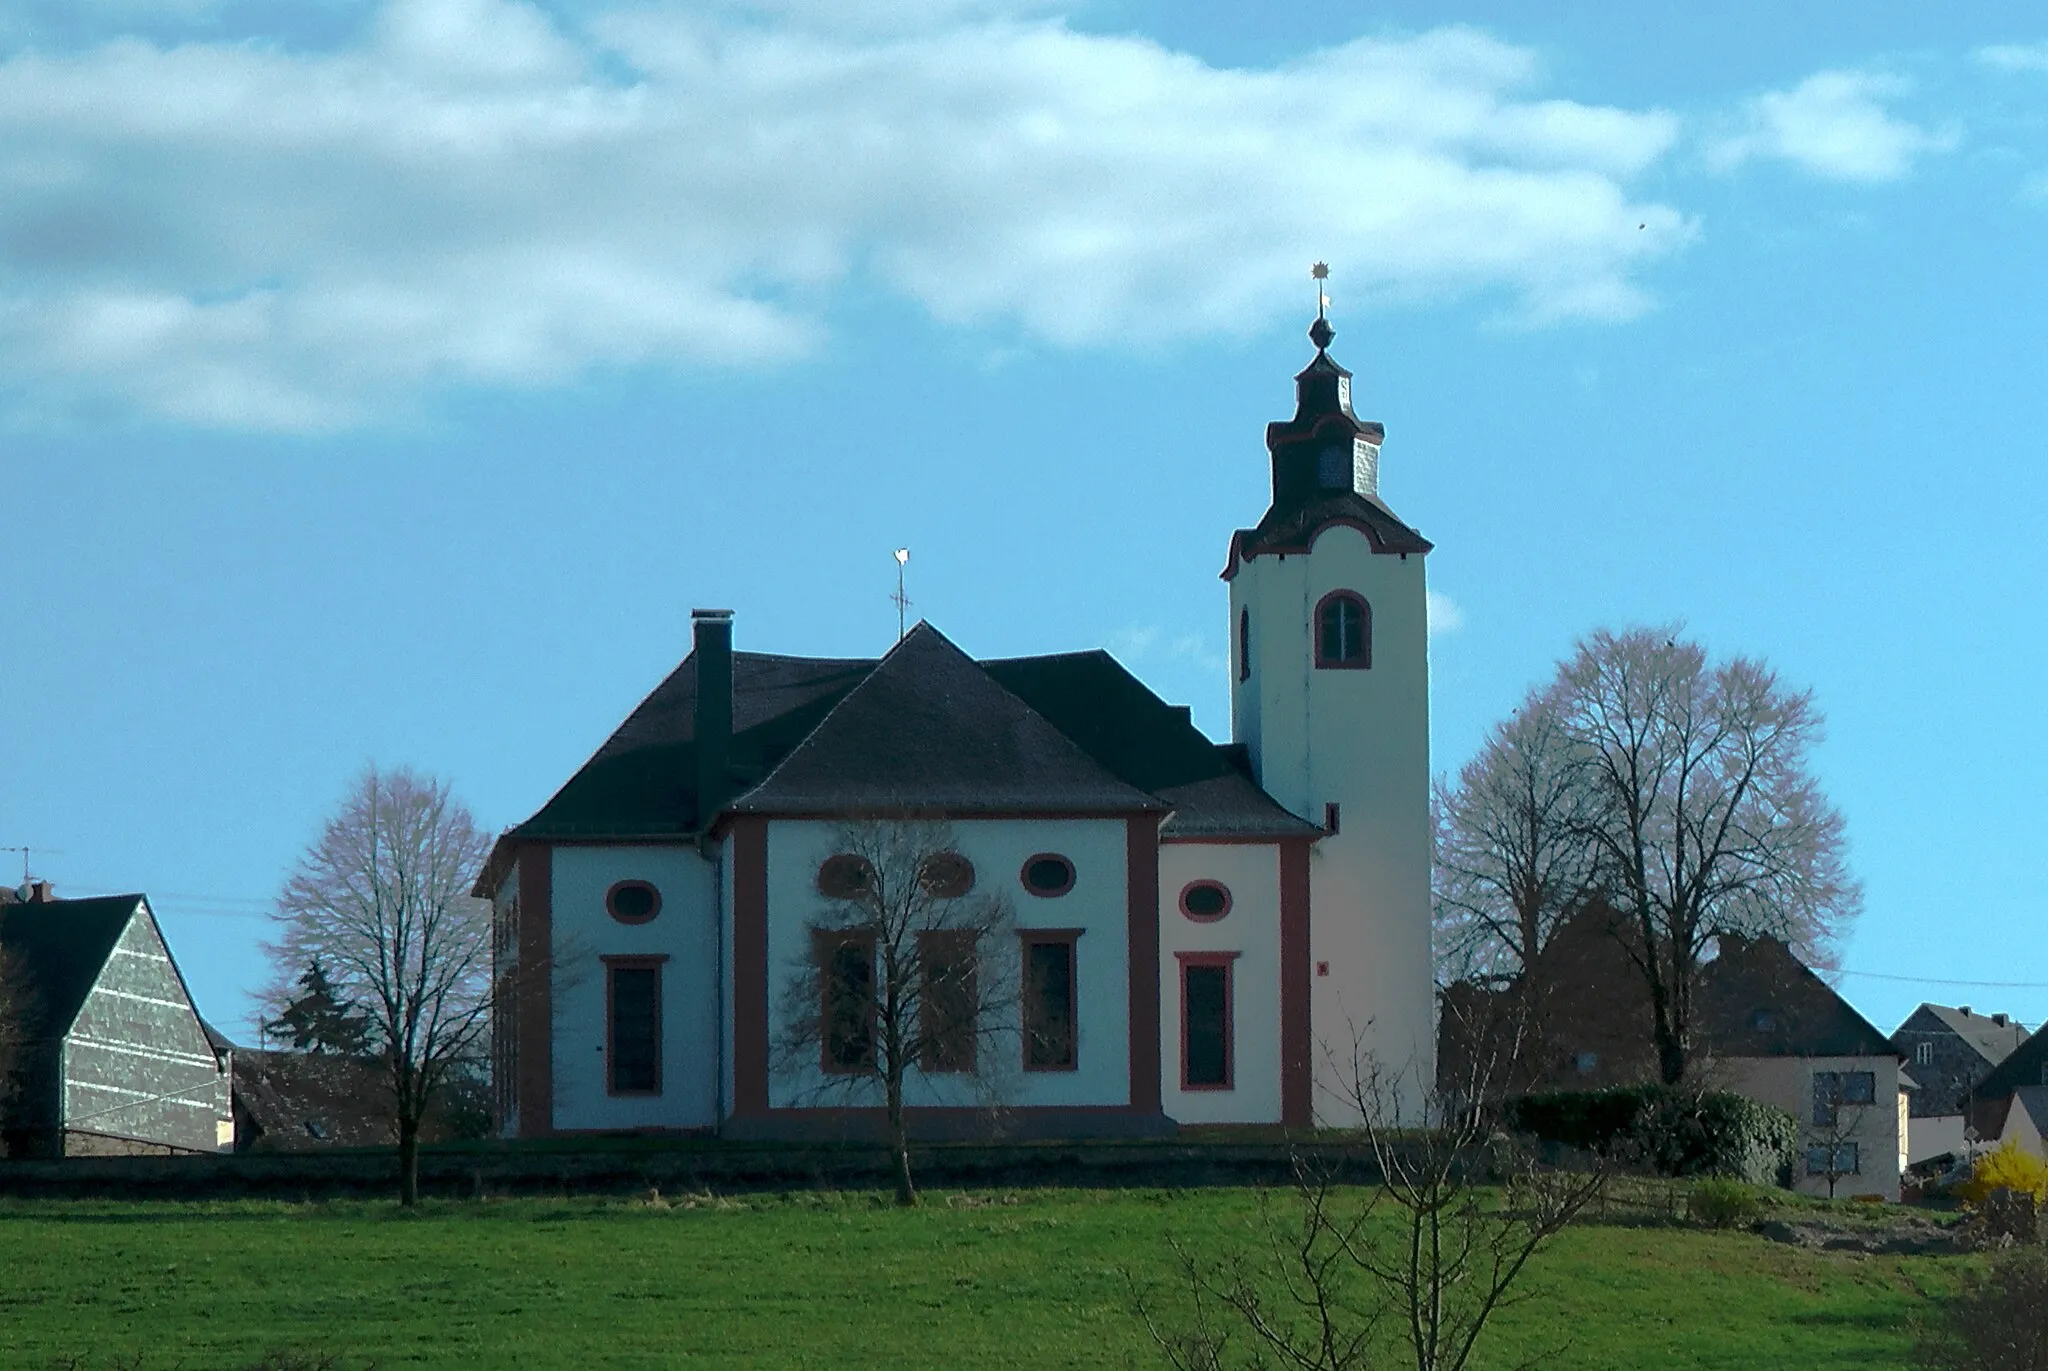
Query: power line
point(1937, 980)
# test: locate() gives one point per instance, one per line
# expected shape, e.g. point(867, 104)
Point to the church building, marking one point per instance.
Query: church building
point(1208, 933)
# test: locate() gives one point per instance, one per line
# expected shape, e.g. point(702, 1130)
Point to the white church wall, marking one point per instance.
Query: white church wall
point(1358, 739)
point(998, 848)
point(1251, 873)
point(584, 934)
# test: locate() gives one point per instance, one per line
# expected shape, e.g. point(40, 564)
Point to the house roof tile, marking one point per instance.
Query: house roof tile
point(61, 946)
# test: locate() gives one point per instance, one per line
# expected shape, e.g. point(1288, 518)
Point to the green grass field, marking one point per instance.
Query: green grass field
point(839, 1281)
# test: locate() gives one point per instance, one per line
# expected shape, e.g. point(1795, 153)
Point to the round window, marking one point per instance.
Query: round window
point(845, 877)
point(1205, 901)
point(1048, 874)
point(946, 875)
point(632, 902)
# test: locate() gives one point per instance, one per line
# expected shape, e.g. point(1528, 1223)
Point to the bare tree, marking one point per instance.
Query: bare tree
point(1843, 1103)
point(909, 982)
point(1703, 811)
point(1420, 1259)
point(1513, 856)
point(381, 900)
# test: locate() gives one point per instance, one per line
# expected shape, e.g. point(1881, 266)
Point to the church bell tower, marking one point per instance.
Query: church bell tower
point(1330, 698)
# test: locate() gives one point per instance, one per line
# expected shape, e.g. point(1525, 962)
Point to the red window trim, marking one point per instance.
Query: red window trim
point(1024, 874)
point(820, 937)
point(611, 896)
point(852, 858)
point(1071, 937)
point(1224, 960)
point(1205, 918)
point(638, 961)
point(1315, 628)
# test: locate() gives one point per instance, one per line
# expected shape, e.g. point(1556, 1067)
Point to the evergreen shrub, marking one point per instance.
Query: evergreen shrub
point(1669, 1131)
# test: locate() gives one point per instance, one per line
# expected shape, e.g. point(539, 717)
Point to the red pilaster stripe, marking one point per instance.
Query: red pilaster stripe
point(1142, 847)
point(750, 965)
point(536, 999)
point(1297, 1109)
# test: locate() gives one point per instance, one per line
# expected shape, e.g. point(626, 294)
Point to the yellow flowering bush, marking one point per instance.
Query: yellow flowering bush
point(2005, 1168)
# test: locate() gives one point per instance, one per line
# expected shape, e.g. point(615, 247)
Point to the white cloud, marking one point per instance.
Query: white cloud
point(1151, 644)
point(2015, 56)
point(243, 234)
point(1444, 614)
point(1833, 124)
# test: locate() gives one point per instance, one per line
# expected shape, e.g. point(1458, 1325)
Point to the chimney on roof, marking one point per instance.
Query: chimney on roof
point(711, 630)
point(1963, 1010)
point(1998, 1019)
point(35, 891)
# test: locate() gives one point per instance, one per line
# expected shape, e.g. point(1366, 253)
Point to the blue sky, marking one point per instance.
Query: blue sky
point(388, 381)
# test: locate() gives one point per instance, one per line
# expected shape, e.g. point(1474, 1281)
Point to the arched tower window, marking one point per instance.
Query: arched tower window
point(1343, 631)
point(1244, 645)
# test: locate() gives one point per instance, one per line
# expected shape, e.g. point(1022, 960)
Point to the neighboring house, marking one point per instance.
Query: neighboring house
point(297, 1101)
point(1998, 1097)
point(117, 1060)
point(1765, 1026)
point(1949, 1051)
point(2026, 1120)
point(1208, 926)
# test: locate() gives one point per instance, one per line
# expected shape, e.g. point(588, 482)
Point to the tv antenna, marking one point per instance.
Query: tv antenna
point(24, 851)
point(902, 600)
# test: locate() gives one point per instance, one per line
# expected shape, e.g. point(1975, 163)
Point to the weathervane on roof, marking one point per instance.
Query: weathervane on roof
point(902, 600)
point(1320, 333)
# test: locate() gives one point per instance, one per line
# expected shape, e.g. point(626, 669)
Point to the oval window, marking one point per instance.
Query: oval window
point(1048, 874)
point(946, 875)
point(845, 877)
point(632, 902)
point(1205, 901)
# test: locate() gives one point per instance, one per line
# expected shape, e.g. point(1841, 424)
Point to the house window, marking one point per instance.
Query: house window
point(945, 875)
point(1763, 1021)
point(1343, 631)
point(846, 977)
point(1923, 1054)
point(1244, 645)
point(1205, 1020)
point(1586, 1063)
point(632, 902)
point(1832, 1089)
point(947, 1000)
point(1838, 1159)
point(1049, 1030)
point(1048, 874)
point(632, 997)
point(1205, 901)
point(845, 877)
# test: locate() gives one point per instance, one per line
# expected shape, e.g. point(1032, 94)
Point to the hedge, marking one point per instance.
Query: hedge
point(1672, 1132)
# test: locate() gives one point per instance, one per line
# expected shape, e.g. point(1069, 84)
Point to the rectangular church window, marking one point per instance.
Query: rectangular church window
point(1205, 1022)
point(1049, 1033)
point(948, 1003)
point(633, 1025)
point(846, 967)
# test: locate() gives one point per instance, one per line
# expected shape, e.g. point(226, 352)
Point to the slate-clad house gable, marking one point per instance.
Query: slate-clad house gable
point(1949, 1050)
point(118, 1059)
point(1217, 919)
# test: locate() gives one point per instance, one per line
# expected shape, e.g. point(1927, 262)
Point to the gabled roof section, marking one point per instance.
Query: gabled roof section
point(1990, 1039)
point(1152, 745)
point(1758, 1000)
point(930, 728)
point(643, 781)
point(2025, 1065)
point(61, 946)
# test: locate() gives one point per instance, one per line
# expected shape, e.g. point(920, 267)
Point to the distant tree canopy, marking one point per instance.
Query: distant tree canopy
point(318, 1019)
point(1673, 789)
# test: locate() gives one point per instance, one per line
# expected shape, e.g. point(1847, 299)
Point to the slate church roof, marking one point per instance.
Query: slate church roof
point(925, 725)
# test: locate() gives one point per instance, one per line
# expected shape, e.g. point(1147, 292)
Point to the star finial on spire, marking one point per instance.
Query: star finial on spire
point(1320, 333)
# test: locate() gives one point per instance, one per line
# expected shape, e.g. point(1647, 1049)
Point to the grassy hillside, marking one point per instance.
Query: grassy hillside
point(1034, 1280)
